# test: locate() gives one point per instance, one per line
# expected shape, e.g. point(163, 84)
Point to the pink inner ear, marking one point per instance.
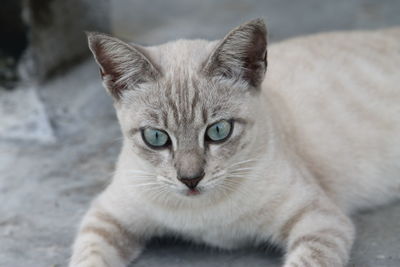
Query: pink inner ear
point(106, 61)
point(103, 58)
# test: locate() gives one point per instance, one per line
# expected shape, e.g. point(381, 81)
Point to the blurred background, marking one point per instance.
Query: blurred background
point(59, 137)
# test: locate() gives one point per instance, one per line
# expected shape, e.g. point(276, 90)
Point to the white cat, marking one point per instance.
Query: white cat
point(216, 153)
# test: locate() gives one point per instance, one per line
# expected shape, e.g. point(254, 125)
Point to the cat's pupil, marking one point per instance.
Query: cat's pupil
point(219, 131)
point(154, 137)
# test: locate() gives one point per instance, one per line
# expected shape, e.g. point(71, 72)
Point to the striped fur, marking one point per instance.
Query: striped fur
point(317, 140)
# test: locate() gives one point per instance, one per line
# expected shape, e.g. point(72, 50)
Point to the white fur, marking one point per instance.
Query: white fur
point(327, 127)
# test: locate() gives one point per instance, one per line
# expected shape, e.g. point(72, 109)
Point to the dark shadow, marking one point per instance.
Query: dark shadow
point(14, 41)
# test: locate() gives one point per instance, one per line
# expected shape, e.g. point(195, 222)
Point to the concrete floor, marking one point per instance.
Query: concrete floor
point(46, 187)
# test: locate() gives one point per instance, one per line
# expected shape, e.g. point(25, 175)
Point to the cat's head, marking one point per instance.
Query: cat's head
point(188, 109)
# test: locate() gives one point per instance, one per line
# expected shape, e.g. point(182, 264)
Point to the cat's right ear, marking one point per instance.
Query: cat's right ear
point(122, 66)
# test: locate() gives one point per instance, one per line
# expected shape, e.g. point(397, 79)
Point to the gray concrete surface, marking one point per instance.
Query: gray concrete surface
point(55, 40)
point(46, 187)
point(23, 116)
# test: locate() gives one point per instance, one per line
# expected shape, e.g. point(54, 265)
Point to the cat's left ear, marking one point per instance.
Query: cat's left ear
point(242, 54)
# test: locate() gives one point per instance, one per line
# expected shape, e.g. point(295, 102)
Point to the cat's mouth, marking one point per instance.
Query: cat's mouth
point(193, 192)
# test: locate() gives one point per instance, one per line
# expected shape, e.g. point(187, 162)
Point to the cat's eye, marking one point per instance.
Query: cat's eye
point(155, 138)
point(219, 131)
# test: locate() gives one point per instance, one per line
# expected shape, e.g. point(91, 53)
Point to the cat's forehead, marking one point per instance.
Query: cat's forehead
point(187, 54)
point(183, 108)
point(175, 103)
point(183, 98)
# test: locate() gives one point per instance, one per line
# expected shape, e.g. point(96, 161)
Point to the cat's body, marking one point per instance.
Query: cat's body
point(340, 104)
point(312, 142)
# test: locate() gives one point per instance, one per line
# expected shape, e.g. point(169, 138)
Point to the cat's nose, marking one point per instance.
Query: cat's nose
point(193, 181)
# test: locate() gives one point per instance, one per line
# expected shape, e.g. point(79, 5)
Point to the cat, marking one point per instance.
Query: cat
point(220, 151)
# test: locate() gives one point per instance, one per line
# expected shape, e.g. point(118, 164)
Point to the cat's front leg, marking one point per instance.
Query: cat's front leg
point(317, 234)
point(103, 241)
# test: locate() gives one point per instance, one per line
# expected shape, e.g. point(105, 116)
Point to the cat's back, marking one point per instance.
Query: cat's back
point(337, 96)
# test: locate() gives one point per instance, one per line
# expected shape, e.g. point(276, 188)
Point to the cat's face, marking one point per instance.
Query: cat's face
point(188, 109)
point(190, 128)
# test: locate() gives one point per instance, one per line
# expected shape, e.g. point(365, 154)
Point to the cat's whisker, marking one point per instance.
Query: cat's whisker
point(224, 189)
point(246, 171)
point(242, 162)
point(141, 175)
point(138, 171)
point(159, 191)
point(166, 181)
point(212, 182)
point(142, 178)
point(162, 178)
point(234, 174)
point(241, 173)
point(242, 168)
point(234, 187)
point(151, 189)
point(243, 177)
point(215, 177)
point(143, 185)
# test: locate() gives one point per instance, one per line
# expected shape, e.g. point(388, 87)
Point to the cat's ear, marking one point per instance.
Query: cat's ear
point(122, 66)
point(242, 54)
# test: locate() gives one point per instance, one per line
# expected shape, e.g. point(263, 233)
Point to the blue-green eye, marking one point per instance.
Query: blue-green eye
point(219, 131)
point(155, 138)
